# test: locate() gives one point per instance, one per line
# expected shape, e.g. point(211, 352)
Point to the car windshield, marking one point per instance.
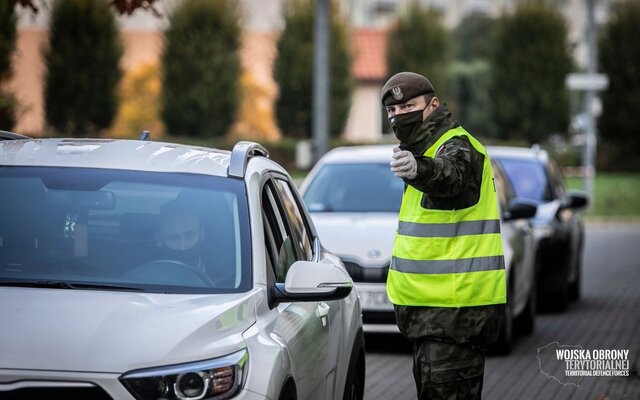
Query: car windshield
point(354, 188)
point(528, 178)
point(123, 230)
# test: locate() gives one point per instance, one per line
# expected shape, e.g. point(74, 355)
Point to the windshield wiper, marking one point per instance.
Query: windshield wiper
point(68, 285)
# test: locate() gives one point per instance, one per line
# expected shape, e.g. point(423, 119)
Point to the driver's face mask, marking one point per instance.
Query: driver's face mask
point(180, 236)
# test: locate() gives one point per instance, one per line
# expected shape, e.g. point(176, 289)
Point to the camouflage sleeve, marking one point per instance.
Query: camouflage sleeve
point(448, 173)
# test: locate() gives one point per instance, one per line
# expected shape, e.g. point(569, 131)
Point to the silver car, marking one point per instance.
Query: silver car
point(145, 270)
point(354, 200)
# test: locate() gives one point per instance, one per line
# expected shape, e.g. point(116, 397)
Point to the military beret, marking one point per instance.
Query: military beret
point(404, 86)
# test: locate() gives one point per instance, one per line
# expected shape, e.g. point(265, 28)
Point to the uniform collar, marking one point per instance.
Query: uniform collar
point(438, 122)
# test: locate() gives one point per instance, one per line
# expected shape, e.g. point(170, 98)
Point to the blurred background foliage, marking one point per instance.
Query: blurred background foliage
point(202, 41)
point(473, 38)
point(530, 60)
point(420, 43)
point(293, 71)
point(85, 39)
point(469, 75)
point(255, 119)
point(619, 57)
point(139, 103)
point(503, 77)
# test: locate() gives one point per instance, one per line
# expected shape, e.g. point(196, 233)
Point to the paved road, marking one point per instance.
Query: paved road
point(607, 317)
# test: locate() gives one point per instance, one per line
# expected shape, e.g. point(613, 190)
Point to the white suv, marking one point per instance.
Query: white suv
point(138, 269)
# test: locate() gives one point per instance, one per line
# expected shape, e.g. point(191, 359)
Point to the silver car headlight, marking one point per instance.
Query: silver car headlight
point(219, 378)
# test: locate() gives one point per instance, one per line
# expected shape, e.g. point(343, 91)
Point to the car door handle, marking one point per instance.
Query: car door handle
point(322, 310)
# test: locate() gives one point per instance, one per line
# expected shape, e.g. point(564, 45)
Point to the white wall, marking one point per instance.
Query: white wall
point(364, 122)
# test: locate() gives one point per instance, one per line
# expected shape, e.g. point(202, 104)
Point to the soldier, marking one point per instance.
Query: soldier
point(447, 274)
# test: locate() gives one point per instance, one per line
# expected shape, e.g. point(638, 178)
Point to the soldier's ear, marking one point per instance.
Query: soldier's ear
point(435, 102)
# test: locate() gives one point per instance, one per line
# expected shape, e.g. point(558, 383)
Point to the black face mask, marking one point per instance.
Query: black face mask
point(404, 125)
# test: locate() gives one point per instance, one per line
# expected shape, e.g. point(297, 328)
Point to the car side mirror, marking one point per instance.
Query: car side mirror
point(312, 281)
point(520, 209)
point(575, 199)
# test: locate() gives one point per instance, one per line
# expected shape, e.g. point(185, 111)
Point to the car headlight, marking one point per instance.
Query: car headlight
point(219, 378)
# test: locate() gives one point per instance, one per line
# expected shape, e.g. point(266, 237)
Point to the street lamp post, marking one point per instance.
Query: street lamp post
point(590, 133)
point(321, 80)
point(589, 82)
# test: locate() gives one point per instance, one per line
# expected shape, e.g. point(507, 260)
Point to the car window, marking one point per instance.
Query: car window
point(366, 187)
point(528, 178)
point(279, 241)
point(167, 232)
point(557, 179)
point(300, 233)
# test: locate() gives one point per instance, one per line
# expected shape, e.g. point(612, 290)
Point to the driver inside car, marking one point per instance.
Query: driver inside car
point(180, 236)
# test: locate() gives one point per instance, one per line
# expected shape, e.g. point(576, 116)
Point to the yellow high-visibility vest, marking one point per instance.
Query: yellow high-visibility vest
point(449, 258)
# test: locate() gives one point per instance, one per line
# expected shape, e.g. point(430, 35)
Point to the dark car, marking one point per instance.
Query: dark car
point(558, 222)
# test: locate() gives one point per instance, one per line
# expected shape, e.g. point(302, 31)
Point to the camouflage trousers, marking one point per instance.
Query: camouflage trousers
point(446, 370)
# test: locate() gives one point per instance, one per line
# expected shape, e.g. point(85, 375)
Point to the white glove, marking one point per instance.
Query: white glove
point(403, 164)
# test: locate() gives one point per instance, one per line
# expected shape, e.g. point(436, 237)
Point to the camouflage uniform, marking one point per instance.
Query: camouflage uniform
point(449, 342)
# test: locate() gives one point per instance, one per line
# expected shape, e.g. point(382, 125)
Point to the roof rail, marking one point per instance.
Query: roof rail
point(145, 135)
point(5, 135)
point(240, 156)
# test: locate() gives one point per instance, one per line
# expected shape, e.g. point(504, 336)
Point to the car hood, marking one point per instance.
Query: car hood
point(57, 329)
point(366, 238)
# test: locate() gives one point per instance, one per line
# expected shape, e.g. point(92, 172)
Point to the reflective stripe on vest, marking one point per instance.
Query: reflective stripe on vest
point(449, 258)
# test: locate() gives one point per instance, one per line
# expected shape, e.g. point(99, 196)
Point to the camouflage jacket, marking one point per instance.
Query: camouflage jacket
point(451, 180)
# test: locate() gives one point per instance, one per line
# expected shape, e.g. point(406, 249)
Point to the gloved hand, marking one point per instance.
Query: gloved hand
point(403, 164)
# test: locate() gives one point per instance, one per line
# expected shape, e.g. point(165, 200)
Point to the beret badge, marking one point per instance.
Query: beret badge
point(397, 93)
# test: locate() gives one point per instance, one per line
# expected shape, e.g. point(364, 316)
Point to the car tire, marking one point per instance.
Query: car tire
point(575, 290)
point(553, 294)
point(289, 391)
point(560, 296)
point(526, 322)
point(354, 386)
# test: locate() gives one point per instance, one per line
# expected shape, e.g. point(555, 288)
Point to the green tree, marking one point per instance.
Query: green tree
point(470, 75)
point(619, 56)
point(469, 91)
point(473, 37)
point(7, 45)
point(82, 67)
point(529, 64)
point(420, 43)
point(201, 68)
point(293, 71)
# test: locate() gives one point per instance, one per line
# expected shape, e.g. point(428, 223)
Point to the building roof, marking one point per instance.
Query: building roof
point(370, 55)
